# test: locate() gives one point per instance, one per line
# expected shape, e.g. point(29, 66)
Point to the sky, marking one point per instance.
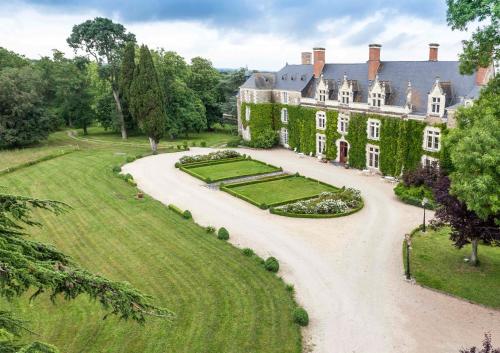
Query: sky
point(260, 34)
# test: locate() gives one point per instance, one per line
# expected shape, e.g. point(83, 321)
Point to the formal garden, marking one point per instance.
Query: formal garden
point(270, 187)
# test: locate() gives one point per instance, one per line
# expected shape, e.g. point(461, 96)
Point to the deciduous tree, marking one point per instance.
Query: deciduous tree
point(474, 147)
point(105, 41)
point(466, 226)
point(204, 80)
point(146, 101)
point(484, 46)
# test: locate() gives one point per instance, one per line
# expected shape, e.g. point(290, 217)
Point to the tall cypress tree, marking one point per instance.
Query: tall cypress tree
point(146, 101)
point(126, 78)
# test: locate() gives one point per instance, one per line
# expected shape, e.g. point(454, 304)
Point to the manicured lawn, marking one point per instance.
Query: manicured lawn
point(211, 138)
point(222, 171)
point(224, 301)
point(436, 263)
point(276, 191)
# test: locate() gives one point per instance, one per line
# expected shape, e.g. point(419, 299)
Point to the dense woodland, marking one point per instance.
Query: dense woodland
point(102, 83)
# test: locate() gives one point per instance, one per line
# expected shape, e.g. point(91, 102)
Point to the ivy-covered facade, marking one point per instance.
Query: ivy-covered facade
point(383, 116)
point(393, 145)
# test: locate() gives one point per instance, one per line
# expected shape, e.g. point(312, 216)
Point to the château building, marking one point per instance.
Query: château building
point(422, 95)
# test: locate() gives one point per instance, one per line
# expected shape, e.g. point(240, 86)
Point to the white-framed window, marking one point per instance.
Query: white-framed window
point(377, 100)
point(284, 97)
point(373, 129)
point(372, 156)
point(436, 105)
point(247, 96)
point(284, 136)
point(247, 113)
point(320, 144)
point(343, 123)
point(321, 120)
point(432, 139)
point(322, 95)
point(428, 161)
point(284, 115)
point(344, 97)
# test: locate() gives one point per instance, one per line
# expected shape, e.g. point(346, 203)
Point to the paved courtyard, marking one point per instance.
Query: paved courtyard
point(347, 271)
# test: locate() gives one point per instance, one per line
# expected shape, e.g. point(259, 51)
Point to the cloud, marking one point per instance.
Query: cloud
point(293, 17)
point(34, 30)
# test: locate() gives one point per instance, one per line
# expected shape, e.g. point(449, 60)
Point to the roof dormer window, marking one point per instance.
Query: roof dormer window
point(436, 100)
point(345, 92)
point(377, 94)
point(322, 95)
point(321, 90)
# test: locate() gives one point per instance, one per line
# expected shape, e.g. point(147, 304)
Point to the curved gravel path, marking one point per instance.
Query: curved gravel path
point(347, 271)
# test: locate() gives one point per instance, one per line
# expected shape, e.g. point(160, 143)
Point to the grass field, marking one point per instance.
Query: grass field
point(224, 301)
point(234, 169)
point(211, 138)
point(436, 263)
point(276, 191)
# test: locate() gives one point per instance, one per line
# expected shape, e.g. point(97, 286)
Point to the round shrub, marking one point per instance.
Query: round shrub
point(177, 165)
point(210, 229)
point(248, 252)
point(128, 176)
point(187, 215)
point(223, 234)
point(300, 316)
point(290, 288)
point(263, 206)
point(179, 147)
point(272, 264)
point(203, 143)
point(117, 169)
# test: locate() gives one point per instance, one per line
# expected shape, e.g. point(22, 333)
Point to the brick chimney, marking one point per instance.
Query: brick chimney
point(306, 57)
point(482, 76)
point(373, 60)
point(319, 61)
point(433, 51)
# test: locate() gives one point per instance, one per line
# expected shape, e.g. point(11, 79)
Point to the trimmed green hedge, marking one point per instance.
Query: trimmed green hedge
point(36, 161)
point(413, 195)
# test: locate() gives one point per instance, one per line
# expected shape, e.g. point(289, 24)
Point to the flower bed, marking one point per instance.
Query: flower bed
point(326, 205)
point(213, 156)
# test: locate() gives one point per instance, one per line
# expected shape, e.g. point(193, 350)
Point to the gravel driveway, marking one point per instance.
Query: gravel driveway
point(347, 271)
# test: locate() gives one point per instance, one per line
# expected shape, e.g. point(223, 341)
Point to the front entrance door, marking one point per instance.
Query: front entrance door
point(343, 152)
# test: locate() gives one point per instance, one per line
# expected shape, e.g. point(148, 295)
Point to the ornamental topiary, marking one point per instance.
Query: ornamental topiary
point(300, 316)
point(271, 264)
point(223, 234)
point(187, 215)
point(248, 252)
point(210, 229)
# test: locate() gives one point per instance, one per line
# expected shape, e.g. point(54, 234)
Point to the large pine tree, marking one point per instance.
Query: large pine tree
point(146, 101)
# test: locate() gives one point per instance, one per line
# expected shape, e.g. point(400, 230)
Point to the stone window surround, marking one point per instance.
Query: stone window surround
point(343, 123)
point(435, 134)
point(284, 115)
point(284, 137)
point(284, 97)
point(248, 112)
point(320, 138)
point(320, 116)
point(375, 150)
point(377, 125)
point(428, 160)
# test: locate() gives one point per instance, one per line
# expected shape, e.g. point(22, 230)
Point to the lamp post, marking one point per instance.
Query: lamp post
point(424, 202)
point(408, 243)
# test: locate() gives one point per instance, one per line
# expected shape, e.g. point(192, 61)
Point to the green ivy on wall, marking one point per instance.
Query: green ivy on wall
point(331, 134)
point(356, 136)
point(400, 140)
point(260, 118)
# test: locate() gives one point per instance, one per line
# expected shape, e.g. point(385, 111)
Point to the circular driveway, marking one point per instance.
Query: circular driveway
point(347, 271)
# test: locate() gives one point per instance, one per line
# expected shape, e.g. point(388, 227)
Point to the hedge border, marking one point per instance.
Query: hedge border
point(210, 180)
point(316, 215)
point(413, 201)
point(212, 161)
point(227, 188)
point(36, 161)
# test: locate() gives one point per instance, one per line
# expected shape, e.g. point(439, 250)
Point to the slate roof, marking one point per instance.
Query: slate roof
point(421, 74)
